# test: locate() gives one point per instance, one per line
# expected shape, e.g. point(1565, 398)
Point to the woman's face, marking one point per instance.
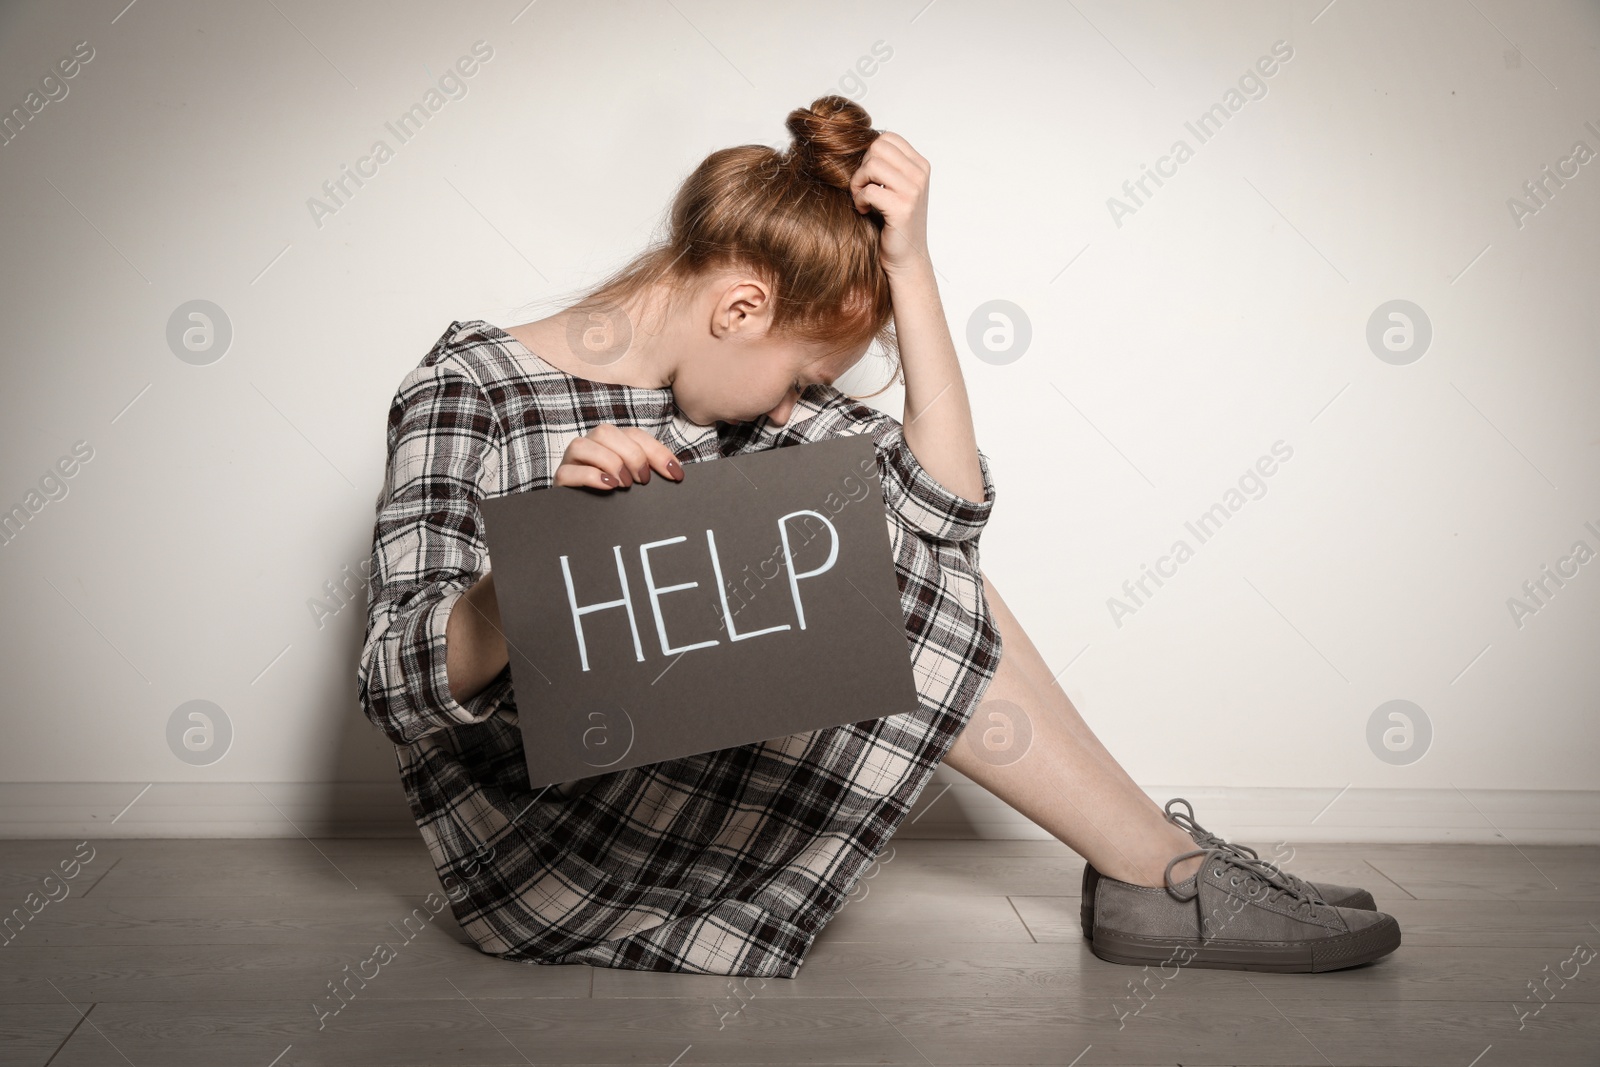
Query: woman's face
point(736, 372)
point(742, 381)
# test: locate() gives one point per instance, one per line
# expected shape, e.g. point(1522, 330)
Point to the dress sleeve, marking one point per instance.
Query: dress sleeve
point(920, 501)
point(428, 549)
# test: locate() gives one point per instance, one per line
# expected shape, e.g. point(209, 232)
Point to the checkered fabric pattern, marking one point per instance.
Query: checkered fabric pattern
point(728, 862)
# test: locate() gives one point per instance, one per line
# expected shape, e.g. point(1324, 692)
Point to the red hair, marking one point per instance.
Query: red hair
point(788, 217)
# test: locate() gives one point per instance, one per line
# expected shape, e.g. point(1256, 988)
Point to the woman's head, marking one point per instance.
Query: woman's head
point(767, 276)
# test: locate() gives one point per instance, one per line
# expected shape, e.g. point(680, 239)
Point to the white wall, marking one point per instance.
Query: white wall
point(1170, 348)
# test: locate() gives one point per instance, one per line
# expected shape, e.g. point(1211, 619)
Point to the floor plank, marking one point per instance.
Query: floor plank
point(283, 919)
point(1479, 872)
point(193, 973)
point(31, 1033)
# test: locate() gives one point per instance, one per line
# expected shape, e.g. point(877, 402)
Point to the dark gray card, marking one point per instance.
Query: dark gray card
point(755, 599)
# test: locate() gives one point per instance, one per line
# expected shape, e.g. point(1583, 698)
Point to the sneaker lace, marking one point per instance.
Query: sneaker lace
point(1207, 840)
point(1258, 875)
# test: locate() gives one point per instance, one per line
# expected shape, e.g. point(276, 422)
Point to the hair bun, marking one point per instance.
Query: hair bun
point(830, 139)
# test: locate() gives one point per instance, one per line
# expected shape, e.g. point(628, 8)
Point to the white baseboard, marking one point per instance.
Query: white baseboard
point(951, 806)
point(1303, 814)
point(102, 810)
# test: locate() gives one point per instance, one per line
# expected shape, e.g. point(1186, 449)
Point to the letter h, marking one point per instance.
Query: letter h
point(578, 613)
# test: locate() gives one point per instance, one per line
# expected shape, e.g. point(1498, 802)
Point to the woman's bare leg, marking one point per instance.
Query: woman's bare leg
point(1064, 780)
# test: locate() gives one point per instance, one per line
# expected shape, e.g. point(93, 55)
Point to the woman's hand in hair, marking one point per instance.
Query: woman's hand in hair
point(893, 177)
point(610, 456)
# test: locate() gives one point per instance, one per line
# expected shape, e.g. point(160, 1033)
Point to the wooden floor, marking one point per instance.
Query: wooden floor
point(176, 953)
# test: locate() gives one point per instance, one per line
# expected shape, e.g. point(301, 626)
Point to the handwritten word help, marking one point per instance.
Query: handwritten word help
point(655, 592)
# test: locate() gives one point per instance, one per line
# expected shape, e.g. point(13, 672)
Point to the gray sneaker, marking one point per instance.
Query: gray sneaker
point(1235, 913)
point(1340, 896)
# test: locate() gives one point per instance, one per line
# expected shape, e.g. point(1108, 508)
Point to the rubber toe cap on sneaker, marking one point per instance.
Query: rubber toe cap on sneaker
point(1358, 920)
point(1345, 896)
point(1372, 936)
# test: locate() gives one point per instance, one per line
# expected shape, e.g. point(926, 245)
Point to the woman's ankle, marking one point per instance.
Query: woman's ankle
point(1148, 866)
point(1183, 870)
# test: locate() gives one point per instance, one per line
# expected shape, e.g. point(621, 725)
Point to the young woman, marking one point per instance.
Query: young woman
point(777, 273)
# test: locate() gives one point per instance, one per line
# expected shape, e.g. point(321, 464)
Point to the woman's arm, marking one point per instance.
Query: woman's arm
point(893, 178)
point(427, 552)
point(938, 417)
point(475, 648)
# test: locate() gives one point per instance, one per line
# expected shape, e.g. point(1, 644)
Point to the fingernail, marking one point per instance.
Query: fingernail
point(608, 479)
point(677, 471)
point(644, 475)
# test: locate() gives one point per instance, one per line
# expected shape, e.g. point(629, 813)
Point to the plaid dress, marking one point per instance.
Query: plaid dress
point(728, 862)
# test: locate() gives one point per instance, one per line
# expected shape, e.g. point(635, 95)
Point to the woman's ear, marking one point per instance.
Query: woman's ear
point(745, 307)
